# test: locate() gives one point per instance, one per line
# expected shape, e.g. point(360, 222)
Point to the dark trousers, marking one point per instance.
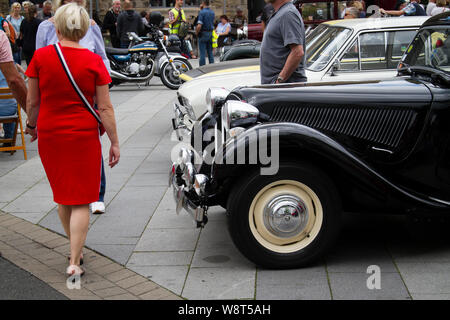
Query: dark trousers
point(101, 196)
point(205, 47)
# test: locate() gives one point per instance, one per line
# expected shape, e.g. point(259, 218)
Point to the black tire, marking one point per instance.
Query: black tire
point(324, 235)
point(166, 79)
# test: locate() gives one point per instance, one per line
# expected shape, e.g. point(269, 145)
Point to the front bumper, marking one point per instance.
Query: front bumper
point(181, 179)
point(183, 121)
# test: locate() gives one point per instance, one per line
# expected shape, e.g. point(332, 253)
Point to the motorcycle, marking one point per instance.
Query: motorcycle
point(147, 57)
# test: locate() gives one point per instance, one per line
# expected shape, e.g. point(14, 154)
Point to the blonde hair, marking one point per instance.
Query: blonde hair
point(72, 21)
point(59, 3)
point(14, 5)
point(441, 3)
point(26, 3)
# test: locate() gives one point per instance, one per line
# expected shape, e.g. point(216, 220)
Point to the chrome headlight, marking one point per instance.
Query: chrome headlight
point(237, 113)
point(215, 97)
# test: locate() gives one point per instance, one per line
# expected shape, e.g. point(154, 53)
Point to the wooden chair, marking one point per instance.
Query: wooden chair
point(5, 93)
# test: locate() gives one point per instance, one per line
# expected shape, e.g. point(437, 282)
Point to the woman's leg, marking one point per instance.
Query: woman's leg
point(64, 213)
point(79, 224)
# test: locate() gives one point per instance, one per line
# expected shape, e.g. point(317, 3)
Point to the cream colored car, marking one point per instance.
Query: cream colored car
point(339, 50)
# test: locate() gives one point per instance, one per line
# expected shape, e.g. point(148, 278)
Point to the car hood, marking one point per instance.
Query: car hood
point(374, 93)
point(217, 67)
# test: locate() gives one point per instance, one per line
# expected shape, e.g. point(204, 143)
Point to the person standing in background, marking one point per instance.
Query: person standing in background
point(176, 16)
point(203, 30)
point(240, 19)
point(46, 12)
point(440, 7)
point(128, 21)
point(28, 31)
point(430, 6)
point(16, 19)
point(282, 57)
point(110, 23)
point(25, 6)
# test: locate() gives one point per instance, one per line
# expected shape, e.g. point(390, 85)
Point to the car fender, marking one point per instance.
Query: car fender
point(327, 154)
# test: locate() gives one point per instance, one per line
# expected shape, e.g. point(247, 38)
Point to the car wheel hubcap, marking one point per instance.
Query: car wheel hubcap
point(285, 216)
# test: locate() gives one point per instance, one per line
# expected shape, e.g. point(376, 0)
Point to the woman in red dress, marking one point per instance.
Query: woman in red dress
point(67, 133)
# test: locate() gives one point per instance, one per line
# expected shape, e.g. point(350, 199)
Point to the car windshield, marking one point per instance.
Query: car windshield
point(430, 48)
point(322, 44)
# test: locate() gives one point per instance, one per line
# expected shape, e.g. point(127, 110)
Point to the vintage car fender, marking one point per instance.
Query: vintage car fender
point(307, 144)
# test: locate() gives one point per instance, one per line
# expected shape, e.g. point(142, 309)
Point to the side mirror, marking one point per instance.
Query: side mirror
point(335, 67)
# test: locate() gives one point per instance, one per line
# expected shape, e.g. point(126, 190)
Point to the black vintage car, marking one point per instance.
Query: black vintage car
point(374, 146)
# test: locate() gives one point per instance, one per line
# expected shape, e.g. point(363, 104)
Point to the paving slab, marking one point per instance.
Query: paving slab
point(353, 286)
point(220, 283)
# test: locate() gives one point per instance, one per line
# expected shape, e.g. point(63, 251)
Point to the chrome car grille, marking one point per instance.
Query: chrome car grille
point(383, 126)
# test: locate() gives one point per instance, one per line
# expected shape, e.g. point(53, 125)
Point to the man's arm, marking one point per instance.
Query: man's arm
point(172, 18)
point(392, 12)
point(15, 82)
point(198, 28)
point(292, 62)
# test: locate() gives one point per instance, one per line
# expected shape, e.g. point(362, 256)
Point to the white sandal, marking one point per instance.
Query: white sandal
point(74, 270)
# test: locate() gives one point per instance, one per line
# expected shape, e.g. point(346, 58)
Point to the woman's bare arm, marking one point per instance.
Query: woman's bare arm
point(106, 111)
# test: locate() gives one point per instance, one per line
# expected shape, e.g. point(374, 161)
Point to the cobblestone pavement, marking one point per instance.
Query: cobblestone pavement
point(142, 233)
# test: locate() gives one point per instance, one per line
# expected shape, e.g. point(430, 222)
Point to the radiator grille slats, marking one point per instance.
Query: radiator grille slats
point(383, 126)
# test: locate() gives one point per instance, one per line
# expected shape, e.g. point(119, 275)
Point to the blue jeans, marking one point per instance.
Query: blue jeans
point(8, 110)
point(17, 57)
point(205, 47)
point(101, 196)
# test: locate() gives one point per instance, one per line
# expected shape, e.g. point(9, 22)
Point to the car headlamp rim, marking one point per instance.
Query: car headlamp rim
point(238, 113)
point(215, 97)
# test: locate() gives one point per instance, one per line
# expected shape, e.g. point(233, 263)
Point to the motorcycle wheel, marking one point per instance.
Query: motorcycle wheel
point(167, 76)
point(114, 83)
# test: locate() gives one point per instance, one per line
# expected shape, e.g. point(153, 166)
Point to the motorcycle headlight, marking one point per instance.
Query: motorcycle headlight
point(215, 97)
point(237, 114)
point(160, 34)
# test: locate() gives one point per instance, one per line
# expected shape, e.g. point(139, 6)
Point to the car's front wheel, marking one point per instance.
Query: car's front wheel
point(286, 220)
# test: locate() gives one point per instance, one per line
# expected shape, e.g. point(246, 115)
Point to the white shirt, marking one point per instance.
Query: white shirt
point(430, 7)
point(438, 10)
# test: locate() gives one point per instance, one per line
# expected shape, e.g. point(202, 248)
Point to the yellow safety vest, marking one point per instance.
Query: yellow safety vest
point(175, 27)
point(215, 36)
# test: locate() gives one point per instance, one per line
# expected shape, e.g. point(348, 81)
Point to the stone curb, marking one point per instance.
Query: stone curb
point(44, 253)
